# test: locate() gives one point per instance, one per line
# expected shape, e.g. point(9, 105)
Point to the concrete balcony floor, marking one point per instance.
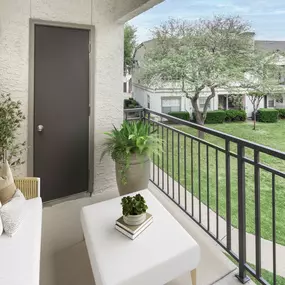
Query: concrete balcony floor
point(64, 258)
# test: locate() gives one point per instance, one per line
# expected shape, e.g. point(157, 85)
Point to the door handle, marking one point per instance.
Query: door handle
point(40, 128)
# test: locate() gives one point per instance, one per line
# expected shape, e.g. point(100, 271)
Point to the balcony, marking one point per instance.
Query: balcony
point(214, 190)
point(232, 189)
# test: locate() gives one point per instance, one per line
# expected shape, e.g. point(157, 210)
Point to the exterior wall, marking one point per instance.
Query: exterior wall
point(108, 58)
point(249, 107)
point(277, 103)
point(141, 92)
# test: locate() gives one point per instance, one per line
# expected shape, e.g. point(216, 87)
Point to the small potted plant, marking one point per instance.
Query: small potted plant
point(134, 210)
point(131, 147)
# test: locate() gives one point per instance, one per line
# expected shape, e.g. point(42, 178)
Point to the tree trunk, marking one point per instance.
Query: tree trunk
point(200, 121)
point(199, 116)
point(254, 120)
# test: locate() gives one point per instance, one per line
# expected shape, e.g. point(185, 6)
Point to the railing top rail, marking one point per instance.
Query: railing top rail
point(259, 147)
point(133, 110)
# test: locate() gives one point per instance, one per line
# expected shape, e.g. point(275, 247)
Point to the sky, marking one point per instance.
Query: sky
point(267, 17)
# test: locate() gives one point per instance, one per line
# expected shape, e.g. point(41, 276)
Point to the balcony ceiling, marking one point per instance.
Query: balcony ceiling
point(125, 10)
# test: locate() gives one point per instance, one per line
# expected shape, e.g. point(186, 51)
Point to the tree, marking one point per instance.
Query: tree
point(199, 56)
point(129, 45)
point(261, 78)
point(11, 119)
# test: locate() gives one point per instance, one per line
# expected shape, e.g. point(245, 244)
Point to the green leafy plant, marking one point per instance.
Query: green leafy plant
point(133, 138)
point(267, 115)
point(235, 115)
point(281, 113)
point(135, 205)
point(181, 115)
point(215, 117)
point(11, 117)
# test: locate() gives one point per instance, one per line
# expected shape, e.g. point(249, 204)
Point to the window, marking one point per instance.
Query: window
point(282, 76)
point(271, 103)
point(148, 101)
point(202, 102)
point(125, 87)
point(279, 100)
point(222, 102)
point(170, 104)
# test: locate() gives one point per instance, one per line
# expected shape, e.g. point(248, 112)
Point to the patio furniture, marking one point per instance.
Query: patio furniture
point(163, 252)
point(20, 254)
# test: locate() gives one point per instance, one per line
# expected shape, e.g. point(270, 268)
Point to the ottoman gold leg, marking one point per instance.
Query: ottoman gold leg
point(194, 277)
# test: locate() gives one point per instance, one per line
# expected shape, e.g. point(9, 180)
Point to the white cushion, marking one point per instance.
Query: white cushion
point(13, 213)
point(20, 255)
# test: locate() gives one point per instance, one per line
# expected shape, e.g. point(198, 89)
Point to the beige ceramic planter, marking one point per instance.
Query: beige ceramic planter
point(133, 220)
point(137, 175)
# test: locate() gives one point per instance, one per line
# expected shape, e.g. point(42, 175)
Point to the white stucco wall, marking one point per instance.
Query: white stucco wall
point(108, 48)
point(249, 107)
point(140, 93)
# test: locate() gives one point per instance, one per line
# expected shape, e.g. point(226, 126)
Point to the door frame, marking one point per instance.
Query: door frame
point(30, 161)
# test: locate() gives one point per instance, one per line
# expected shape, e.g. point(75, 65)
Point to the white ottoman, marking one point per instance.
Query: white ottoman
point(163, 252)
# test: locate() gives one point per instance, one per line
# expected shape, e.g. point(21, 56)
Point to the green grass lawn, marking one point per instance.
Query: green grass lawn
point(267, 275)
point(272, 135)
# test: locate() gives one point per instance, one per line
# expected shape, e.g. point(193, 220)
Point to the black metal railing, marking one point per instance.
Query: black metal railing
point(232, 188)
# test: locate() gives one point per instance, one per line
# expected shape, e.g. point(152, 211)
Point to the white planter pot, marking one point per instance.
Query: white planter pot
point(137, 176)
point(134, 220)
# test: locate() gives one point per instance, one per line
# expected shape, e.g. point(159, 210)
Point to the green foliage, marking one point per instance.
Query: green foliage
point(133, 138)
point(181, 115)
point(135, 205)
point(235, 116)
point(281, 113)
point(11, 117)
point(131, 103)
point(198, 55)
point(215, 117)
point(129, 45)
point(267, 115)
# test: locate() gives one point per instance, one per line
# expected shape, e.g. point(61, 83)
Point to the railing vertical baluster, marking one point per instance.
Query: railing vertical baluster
point(162, 162)
point(257, 213)
point(172, 154)
point(149, 126)
point(178, 161)
point(192, 178)
point(274, 228)
point(199, 181)
point(158, 161)
point(185, 172)
point(208, 189)
point(153, 161)
point(241, 214)
point(217, 194)
point(228, 195)
point(167, 159)
point(195, 176)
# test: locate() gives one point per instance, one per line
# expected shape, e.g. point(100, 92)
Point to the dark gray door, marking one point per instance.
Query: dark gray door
point(61, 106)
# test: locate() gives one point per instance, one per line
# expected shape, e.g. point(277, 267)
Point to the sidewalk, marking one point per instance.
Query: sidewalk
point(266, 246)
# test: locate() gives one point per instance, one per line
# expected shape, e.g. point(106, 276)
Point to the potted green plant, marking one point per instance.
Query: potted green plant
point(131, 147)
point(11, 119)
point(134, 210)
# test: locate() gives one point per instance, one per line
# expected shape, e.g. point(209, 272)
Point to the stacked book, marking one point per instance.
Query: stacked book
point(133, 231)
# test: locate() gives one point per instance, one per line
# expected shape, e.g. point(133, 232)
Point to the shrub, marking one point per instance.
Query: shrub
point(131, 103)
point(267, 115)
point(181, 115)
point(215, 117)
point(281, 113)
point(135, 205)
point(235, 115)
